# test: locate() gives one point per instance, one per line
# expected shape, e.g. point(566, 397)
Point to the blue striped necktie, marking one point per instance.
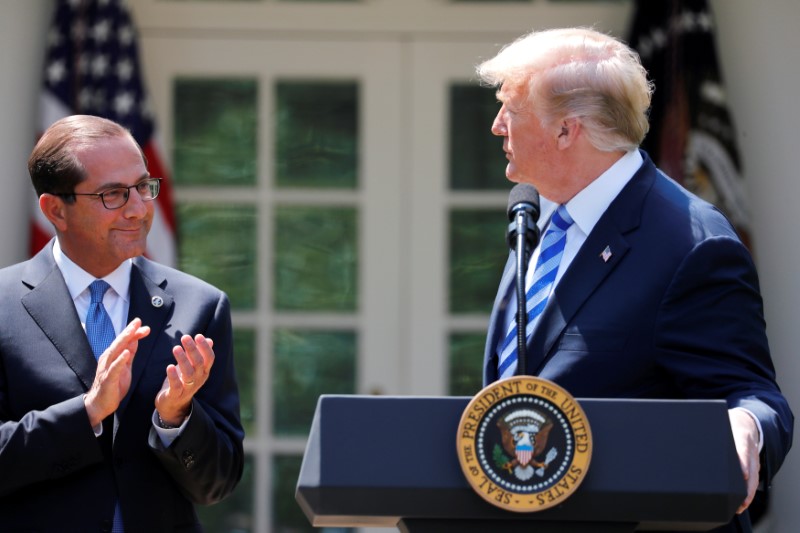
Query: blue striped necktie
point(100, 332)
point(544, 275)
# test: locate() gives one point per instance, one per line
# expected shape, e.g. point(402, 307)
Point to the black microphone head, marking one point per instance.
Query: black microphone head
point(523, 202)
point(523, 196)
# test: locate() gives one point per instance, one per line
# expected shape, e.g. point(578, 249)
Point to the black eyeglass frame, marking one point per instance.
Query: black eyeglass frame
point(151, 185)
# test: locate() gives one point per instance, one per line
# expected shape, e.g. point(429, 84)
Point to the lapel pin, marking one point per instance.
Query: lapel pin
point(605, 255)
point(157, 301)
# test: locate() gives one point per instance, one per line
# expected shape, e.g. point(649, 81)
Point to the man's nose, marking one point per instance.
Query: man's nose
point(135, 206)
point(499, 125)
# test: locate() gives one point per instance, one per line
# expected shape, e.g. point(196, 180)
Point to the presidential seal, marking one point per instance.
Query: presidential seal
point(524, 444)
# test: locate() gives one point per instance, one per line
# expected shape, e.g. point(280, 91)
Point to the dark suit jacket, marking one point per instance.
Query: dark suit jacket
point(674, 313)
point(55, 475)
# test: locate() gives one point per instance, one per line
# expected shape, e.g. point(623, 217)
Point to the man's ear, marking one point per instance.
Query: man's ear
point(570, 129)
point(53, 209)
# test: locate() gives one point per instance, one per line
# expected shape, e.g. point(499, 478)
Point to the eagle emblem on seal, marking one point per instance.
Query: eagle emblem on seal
point(524, 435)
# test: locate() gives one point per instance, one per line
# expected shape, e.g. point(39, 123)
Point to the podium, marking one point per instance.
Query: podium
point(377, 461)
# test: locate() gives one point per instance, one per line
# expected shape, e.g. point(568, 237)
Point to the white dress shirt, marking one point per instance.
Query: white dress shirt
point(117, 302)
point(585, 208)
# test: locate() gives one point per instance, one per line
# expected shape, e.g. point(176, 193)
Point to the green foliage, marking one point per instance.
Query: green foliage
point(499, 457)
point(477, 255)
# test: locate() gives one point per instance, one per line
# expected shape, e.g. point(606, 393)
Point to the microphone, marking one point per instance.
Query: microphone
point(523, 236)
point(523, 213)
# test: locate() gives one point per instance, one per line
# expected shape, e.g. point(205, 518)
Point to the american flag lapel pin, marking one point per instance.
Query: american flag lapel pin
point(605, 255)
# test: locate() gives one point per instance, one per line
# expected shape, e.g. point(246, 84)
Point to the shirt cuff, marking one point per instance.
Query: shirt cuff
point(168, 435)
point(98, 429)
point(758, 425)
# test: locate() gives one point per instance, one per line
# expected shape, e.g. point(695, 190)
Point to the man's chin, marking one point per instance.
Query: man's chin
point(513, 175)
point(132, 249)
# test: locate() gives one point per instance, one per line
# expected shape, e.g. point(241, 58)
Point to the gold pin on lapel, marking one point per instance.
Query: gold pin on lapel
point(157, 301)
point(605, 255)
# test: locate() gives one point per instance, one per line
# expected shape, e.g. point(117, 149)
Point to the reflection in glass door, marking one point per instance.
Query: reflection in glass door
point(459, 249)
point(287, 184)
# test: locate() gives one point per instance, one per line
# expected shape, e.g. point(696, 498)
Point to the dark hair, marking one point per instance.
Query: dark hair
point(54, 166)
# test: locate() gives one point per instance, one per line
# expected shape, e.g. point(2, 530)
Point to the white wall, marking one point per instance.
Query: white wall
point(759, 43)
point(22, 27)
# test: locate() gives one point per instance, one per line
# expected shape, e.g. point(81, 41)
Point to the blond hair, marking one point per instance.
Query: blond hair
point(579, 73)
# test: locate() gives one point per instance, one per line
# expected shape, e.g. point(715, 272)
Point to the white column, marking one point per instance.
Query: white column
point(23, 27)
point(758, 43)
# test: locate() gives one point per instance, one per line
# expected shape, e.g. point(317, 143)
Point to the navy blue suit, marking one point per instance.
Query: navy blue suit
point(55, 475)
point(674, 313)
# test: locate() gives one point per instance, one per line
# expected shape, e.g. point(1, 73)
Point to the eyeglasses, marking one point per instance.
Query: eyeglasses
point(118, 196)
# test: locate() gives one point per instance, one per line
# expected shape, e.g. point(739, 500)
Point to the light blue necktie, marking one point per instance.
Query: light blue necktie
point(100, 332)
point(544, 275)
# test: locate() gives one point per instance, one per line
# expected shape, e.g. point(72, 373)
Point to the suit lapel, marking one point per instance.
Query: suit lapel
point(51, 307)
point(591, 266)
point(586, 272)
point(496, 329)
point(151, 303)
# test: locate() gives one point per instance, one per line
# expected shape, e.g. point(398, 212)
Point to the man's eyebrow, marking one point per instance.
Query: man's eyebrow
point(118, 184)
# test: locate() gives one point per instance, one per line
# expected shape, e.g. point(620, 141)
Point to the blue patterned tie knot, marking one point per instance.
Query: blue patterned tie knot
point(544, 276)
point(99, 329)
point(561, 219)
point(98, 289)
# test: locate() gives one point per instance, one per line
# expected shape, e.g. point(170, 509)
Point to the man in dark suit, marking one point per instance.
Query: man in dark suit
point(651, 294)
point(136, 436)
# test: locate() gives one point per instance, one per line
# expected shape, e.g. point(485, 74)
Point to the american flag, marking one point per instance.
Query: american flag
point(92, 67)
point(692, 134)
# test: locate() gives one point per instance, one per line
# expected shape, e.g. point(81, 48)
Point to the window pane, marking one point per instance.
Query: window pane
point(216, 131)
point(288, 517)
point(316, 259)
point(478, 253)
point(309, 363)
point(218, 244)
point(466, 363)
point(244, 350)
point(235, 513)
point(477, 160)
point(317, 134)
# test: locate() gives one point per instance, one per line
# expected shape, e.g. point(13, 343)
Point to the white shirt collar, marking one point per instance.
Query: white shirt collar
point(78, 279)
point(588, 205)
